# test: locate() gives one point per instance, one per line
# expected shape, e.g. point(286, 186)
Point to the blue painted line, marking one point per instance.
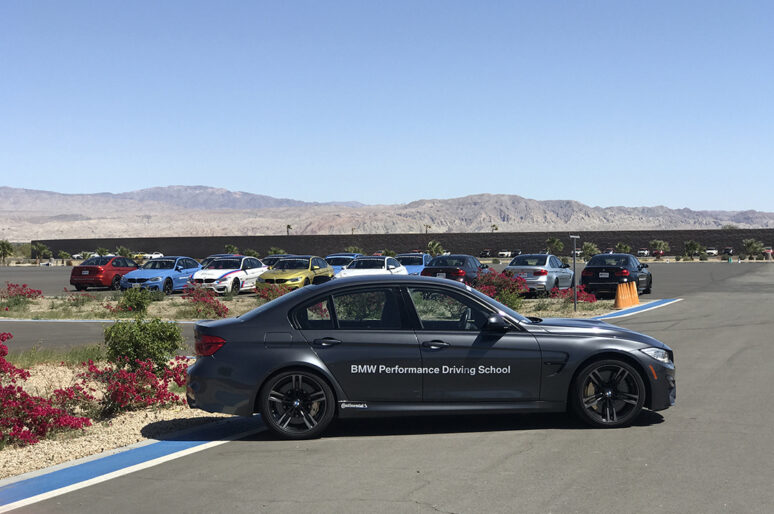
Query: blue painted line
point(71, 475)
point(640, 308)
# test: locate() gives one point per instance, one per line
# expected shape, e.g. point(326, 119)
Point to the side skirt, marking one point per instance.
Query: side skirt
point(354, 409)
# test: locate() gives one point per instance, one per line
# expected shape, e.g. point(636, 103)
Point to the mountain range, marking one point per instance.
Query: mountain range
point(27, 214)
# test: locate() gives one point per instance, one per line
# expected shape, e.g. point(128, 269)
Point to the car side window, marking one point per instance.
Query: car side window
point(314, 316)
point(438, 310)
point(371, 309)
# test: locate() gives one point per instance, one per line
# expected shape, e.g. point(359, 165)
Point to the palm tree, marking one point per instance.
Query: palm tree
point(434, 248)
point(274, 250)
point(123, 251)
point(102, 251)
point(554, 245)
point(659, 248)
point(353, 249)
point(427, 227)
point(41, 251)
point(229, 248)
point(752, 247)
point(588, 250)
point(494, 227)
point(621, 247)
point(6, 250)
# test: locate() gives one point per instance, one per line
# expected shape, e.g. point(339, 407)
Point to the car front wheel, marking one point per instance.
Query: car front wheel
point(608, 393)
point(297, 404)
point(168, 287)
point(115, 285)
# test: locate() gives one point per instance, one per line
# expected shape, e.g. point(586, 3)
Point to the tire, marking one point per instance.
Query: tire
point(608, 394)
point(297, 404)
point(648, 289)
point(115, 285)
point(556, 284)
point(306, 282)
point(167, 287)
point(80, 288)
point(235, 287)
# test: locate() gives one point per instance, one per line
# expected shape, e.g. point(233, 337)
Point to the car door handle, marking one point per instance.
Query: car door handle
point(326, 342)
point(435, 345)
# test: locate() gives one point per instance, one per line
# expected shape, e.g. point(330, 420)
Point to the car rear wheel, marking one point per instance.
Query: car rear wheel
point(608, 393)
point(115, 285)
point(297, 404)
point(80, 288)
point(167, 286)
point(649, 288)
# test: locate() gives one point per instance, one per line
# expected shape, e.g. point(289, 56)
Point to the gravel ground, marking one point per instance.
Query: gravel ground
point(123, 430)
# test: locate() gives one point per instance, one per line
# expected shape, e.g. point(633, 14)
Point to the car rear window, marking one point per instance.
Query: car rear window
point(338, 261)
point(457, 262)
point(529, 260)
point(411, 260)
point(96, 261)
point(608, 260)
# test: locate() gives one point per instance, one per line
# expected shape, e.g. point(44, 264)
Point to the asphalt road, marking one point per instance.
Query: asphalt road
point(712, 452)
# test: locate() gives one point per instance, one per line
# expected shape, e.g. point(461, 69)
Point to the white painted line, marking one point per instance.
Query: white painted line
point(124, 471)
point(614, 315)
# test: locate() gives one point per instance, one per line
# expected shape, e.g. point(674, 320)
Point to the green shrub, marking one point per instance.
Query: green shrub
point(742, 256)
point(140, 339)
point(135, 300)
point(495, 261)
point(678, 258)
point(703, 257)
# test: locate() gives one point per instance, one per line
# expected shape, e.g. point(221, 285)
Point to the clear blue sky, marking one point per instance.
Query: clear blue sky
point(604, 102)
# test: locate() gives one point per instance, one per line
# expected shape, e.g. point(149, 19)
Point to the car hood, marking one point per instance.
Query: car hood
point(215, 273)
point(591, 328)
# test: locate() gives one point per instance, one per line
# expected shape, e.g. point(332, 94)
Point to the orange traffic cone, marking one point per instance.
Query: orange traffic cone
point(620, 300)
point(635, 296)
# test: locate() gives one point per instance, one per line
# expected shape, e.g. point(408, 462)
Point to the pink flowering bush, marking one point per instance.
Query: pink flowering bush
point(109, 390)
point(567, 296)
point(25, 418)
point(268, 292)
point(505, 288)
point(16, 296)
point(205, 302)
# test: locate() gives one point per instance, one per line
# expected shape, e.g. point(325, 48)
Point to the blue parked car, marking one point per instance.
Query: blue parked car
point(163, 274)
point(414, 262)
point(339, 261)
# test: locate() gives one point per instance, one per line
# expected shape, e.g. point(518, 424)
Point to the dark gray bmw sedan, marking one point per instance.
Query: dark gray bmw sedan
point(406, 345)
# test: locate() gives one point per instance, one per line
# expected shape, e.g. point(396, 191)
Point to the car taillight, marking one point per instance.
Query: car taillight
point(458, 273)
point(587, 273)
point(622, 273)
point(426, 272)
point(100, 269)
point(207, 345)
point(540, 272)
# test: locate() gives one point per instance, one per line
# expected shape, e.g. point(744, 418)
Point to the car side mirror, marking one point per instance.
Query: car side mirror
point(390, 266)
point(496, 323)
point(565, 266)
point(315, 267)
point(644, 265)
point(178, 268)
point(484, 266)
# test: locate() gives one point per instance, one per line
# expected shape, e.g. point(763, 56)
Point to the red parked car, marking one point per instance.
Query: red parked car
point(101, 272)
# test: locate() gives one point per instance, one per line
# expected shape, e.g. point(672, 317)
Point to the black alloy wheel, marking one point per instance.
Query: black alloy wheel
point(297, 404)
point(649, 289)
point(115, 285)
point(167, 286)
point(608, 393)
point(235, 286)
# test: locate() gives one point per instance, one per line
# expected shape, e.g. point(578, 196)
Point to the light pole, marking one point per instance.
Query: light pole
point(574, 289)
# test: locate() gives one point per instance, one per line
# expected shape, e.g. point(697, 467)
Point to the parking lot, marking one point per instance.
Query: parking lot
point(712, 452)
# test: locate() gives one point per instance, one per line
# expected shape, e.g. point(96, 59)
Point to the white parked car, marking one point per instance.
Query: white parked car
point(230, 274)
point(504, 253)
point(154, 255)
point(379, 265)
point(643, 252)
point(712, 251)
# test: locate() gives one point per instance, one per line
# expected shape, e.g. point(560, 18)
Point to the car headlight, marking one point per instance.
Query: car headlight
point(658, 354)
point(296, 279)
point(261, 280)
point(154, 279)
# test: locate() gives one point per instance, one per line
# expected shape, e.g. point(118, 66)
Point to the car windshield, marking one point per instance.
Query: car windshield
point(457, 262)
point(96, 261)
point(410, 260)
point(367, 264)
point(338, 261)
point(292, 264)
point(529, 260)
point(609, 260)
point(225, 264)
point(159, 264)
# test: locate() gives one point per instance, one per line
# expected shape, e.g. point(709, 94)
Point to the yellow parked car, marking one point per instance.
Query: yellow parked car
point(298, 271)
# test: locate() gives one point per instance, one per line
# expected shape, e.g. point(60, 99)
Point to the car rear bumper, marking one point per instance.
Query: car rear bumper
point(94, 281)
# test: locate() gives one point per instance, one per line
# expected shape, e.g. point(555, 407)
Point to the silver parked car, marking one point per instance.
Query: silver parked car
point(542, 271)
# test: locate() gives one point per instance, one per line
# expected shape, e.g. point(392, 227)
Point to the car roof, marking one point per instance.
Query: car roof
point(411, 254)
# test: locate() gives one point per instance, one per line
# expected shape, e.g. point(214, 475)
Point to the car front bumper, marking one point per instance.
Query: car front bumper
point(663, 386)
